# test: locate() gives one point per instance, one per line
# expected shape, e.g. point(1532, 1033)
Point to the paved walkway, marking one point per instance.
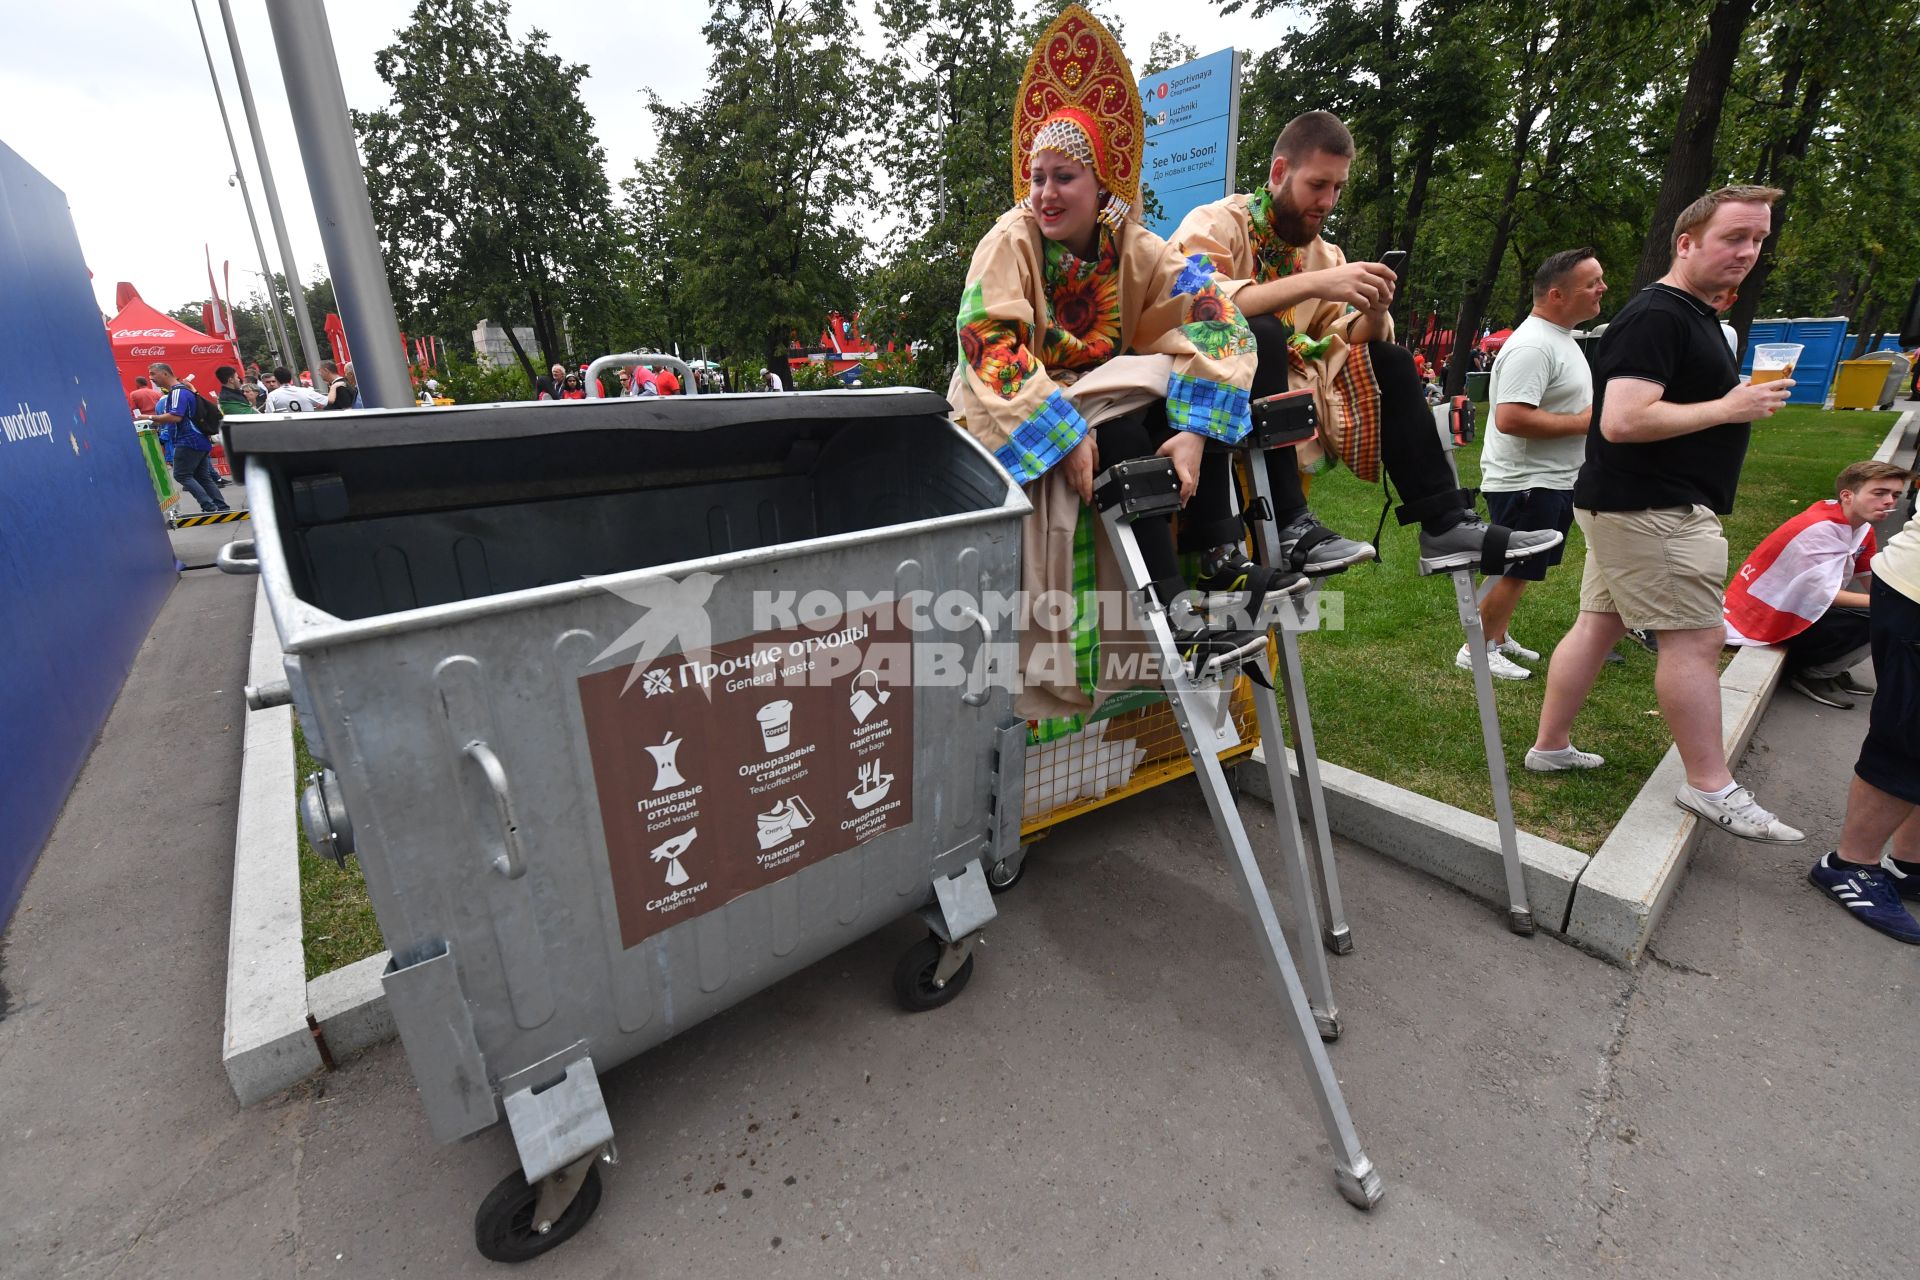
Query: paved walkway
point(1112, 1096)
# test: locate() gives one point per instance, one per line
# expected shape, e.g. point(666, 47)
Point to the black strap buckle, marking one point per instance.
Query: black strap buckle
point(1283, 420)
point(1138, 487)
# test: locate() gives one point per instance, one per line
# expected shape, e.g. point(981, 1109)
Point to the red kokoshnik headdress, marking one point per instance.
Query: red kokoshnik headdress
point(1079, 97)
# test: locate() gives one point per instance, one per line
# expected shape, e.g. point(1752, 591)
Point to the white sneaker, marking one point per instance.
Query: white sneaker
point(1568, 757)
point(1514, 649)
point(1738, 814)
point(1497, 663)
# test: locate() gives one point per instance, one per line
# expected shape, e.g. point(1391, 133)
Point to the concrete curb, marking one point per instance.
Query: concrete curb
point(268, 1045)
point(349, 1006)
point(1632, 877)
point(1459, 847)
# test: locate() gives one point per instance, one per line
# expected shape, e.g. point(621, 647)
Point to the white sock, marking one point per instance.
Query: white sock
point(1720, 794)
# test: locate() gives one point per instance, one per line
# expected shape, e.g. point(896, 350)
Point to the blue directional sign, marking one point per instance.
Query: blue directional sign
point(1193, 129)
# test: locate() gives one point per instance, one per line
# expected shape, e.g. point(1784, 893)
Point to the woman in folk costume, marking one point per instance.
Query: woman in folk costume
point(1085, 341)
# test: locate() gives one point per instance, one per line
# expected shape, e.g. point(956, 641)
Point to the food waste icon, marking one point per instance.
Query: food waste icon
point(666, 770)
point(670, 853)
point(777, 825)
point(872, 787)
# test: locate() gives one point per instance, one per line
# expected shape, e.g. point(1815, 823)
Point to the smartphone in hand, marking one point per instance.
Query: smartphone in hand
point(1395, 260)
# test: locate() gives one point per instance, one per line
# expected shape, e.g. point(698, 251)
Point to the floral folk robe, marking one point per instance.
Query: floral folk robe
point(1033, 312)
point(1237, 236)
point(1033, 319)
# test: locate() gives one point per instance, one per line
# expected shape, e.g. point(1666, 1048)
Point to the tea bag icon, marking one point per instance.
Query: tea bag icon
point(666, 770)
point(670, 854)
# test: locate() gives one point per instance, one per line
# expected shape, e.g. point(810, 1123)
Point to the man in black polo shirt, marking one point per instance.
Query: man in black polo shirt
point(1670, 427)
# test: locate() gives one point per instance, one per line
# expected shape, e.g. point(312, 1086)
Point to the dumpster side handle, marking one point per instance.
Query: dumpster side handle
point(978, 690)
point(511, 862)
point(237, 557)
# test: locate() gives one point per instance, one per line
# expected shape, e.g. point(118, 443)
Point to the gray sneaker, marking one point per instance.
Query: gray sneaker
point(1326, 553)
point(1459, 547)
point(1739, 814)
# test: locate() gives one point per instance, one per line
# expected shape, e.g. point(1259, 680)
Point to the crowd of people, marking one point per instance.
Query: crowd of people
point(1088, 340)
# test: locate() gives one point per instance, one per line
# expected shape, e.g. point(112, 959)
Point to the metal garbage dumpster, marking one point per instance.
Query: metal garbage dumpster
point(618, 707)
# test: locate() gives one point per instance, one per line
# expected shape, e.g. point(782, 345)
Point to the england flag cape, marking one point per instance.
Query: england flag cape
point(1792, 577)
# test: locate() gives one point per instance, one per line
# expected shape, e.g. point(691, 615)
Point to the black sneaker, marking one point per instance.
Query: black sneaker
point(1309, 547)
point(1847, 684)
point(1826, 692)
point(1868, 893)
point(1214, 653)
point(1239, 586)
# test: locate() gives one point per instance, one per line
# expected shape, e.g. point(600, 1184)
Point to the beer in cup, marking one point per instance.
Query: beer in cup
point(1773, 361)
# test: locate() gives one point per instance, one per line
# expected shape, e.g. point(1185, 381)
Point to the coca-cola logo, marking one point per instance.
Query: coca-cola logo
point(208, 348)
point(146, 333)
point(147, 351)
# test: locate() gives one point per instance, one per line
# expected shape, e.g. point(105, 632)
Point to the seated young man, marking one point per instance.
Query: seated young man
point(1069, 285)
point(1798, 588)
point(1323, 322)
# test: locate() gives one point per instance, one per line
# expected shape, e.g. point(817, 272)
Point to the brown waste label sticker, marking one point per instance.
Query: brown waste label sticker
point(724, 770)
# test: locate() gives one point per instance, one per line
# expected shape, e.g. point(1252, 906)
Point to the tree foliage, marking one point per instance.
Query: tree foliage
point(765, 170)
point(808, 177)
point(488, 183)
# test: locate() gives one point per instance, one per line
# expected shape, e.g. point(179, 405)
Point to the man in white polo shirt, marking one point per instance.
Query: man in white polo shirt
point(1542, 398)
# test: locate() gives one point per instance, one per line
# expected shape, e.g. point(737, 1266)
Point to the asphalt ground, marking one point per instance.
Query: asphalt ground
point(1115, 1094)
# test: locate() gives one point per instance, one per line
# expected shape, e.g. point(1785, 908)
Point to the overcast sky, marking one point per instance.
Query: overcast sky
point(110, 100)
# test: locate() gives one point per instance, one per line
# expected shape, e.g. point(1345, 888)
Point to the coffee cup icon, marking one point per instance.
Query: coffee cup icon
point(776, 724)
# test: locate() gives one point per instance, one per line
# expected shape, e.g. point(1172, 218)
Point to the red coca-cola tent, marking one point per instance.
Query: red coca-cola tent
point(141, 335)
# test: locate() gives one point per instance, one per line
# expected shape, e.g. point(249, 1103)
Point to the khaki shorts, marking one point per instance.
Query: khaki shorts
point(1660, 570)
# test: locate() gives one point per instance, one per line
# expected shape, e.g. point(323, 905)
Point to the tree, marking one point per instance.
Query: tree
point(1167, 51)
point(771, 155)
point(1690, 158)
point(946, 90)
point(488, 183)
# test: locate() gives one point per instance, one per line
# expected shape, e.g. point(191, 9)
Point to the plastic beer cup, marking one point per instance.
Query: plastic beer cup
point(1773, 361)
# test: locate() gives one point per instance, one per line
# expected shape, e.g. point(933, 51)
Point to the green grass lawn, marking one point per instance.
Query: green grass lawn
point(337, 924)
point(1388, 701)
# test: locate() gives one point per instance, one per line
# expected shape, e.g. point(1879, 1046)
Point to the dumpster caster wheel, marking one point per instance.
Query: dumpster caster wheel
point(1006, 873)
point(505, 1227)
point(916, 979)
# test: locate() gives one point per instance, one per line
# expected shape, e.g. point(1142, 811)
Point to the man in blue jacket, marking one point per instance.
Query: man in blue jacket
point(192, 451)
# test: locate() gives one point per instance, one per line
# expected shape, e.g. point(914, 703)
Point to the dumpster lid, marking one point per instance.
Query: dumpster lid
point(450, 424)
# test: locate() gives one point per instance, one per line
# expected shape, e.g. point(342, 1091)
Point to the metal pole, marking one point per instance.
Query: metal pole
point(295, 295)
point(339, 188)
point(273, 303)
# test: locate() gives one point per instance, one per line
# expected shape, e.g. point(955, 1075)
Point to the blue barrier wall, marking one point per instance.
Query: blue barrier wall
point(84, 557)
point(1824, 342)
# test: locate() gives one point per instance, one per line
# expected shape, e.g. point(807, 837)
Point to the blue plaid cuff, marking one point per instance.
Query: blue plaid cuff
point(1049, 435)
point(1211, 409)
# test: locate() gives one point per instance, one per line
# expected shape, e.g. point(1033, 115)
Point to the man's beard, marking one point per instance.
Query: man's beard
point(1288, 222)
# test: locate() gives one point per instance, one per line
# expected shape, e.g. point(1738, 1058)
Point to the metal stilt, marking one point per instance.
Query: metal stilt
point(1519, 913)
point(1200, 711)
point(1336, 933)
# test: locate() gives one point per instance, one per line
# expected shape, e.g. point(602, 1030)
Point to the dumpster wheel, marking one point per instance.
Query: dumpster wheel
point(1003, 875)
point(916, 982)
point(504, 1227)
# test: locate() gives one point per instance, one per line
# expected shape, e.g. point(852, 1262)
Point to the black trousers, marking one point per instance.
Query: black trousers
point(1410, 450)
point(1208, 514)
point(1837, 641)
